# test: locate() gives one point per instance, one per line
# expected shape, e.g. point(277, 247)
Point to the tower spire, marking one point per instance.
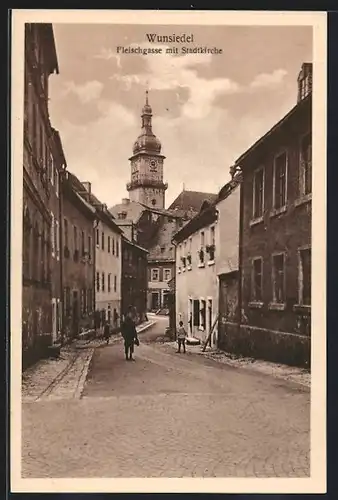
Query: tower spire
point(147, 92)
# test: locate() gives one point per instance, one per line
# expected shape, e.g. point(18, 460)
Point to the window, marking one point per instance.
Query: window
point(306, 165)
point(97, 238)
point(257, 280)
point(155, 275)
point(117, 248)
point(258, 194)
point(57, 239)
point(102, 282)
point(83, 250)
point(108, 244)
point(115, 283)
point(26, 245)
point(52, 229)
point(65, 225)
point(196, 313)
point(66, 300)
point(35, 270)
point(278, 278)
point(75, 238)
point(212, 235)
point(84, 301)
point(280, 167)
point(305, 276)
point(56, 182)
point(97, 282)
point(190, 245)
point(167, 274)
point(113, 246)
point(108, 284)
point(89, 248)
point(202, 314)
point(89, 300)
point(202, 239)
point(102, 241)
point(51, 169)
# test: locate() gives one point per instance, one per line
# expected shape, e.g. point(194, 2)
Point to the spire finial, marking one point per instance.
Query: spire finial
point(147, 92)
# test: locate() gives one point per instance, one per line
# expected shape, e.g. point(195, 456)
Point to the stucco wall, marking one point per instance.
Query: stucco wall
point(197, 283)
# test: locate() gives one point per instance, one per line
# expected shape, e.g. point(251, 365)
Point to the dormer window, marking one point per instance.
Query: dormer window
point(122, 215)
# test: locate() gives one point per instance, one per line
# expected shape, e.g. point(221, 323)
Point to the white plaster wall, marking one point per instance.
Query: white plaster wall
point(108, 263)
point(228, 233)
point(196, 283)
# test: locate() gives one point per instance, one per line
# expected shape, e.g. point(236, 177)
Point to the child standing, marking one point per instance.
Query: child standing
point(181, 336)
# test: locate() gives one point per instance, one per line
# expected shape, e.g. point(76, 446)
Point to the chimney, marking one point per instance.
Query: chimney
point(304, 81)
point(125, 201)
point(87, 186)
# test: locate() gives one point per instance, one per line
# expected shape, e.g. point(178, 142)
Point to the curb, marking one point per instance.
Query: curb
point(83, 376)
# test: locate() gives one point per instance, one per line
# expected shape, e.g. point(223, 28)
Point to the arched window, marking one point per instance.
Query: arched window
point(26, 244)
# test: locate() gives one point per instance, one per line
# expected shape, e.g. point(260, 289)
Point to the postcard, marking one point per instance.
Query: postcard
point(168, 209)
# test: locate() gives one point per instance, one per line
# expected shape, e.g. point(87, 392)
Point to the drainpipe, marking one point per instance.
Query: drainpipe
point(240, 253)
point(61, 178)
point(95, 224)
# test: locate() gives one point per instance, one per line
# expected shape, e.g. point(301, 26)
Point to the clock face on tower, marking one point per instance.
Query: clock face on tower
point(153, 165)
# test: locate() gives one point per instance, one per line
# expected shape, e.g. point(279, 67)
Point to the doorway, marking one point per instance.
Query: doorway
point(75, 315)
point(155, 302)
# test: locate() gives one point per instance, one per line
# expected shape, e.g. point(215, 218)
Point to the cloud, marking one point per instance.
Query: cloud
point(108, 54)
point(86, 92)
point(266, 80)
point(170, 72)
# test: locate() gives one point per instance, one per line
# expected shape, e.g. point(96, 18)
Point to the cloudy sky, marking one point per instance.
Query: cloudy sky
point(208, 109)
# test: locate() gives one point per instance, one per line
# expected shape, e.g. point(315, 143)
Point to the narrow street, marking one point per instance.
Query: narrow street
point(169, 415)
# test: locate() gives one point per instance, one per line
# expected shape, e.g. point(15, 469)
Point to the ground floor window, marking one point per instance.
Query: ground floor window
point(278, 278)
point(196, 313)
point(155, 300)
point(257, 280)
point(305, 276)
point(203, 314)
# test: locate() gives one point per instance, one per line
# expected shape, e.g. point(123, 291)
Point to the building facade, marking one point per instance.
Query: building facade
point(275, 237)
point(38, 156)
point(78, 258)
point(57, 167)
point(108, 267)
point(134, 279)
point(227, 265)
point(196, 277)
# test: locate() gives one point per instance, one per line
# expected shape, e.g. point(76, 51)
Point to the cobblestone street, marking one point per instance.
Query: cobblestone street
point(166, 415)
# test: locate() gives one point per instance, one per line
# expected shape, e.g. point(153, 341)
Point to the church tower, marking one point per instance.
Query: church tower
point(146, 185)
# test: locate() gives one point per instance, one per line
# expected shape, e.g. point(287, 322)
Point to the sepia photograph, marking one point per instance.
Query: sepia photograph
point(168, 251)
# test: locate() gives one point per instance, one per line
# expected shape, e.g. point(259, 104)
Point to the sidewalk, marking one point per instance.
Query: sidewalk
point(279, 371)
point(64, 377)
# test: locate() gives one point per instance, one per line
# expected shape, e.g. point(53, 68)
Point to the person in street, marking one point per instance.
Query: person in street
point(106, 332)
point(181, 336)
point(129, 334)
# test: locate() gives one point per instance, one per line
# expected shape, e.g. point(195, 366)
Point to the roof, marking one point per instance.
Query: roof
point(133, 211)
point(202, 219)
point(229, 187)
point(132, 243)
point(208, 212)
point(178, 214)
point(306, 102)
point(192, 200)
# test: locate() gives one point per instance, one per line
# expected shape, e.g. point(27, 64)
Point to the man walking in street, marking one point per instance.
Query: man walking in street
point(129, 334)
point(106, 332)
point(181, 336)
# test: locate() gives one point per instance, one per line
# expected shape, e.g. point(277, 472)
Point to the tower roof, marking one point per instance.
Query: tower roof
point(147, 142)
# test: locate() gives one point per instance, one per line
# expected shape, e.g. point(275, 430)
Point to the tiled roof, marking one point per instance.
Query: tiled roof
point(192, 200)
point(133, 211)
